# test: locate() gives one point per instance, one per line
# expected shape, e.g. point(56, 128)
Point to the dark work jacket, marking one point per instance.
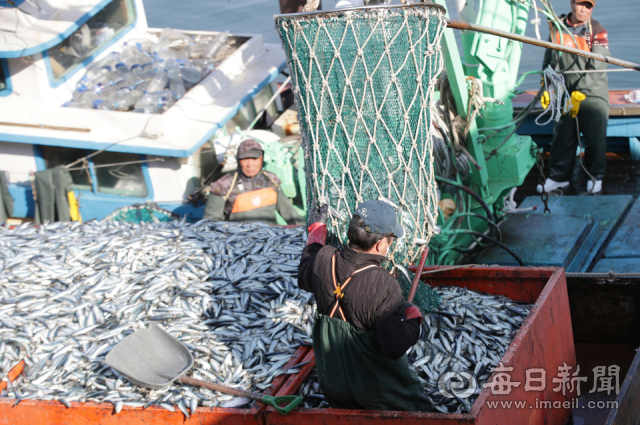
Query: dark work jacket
point(353, 370)
point(594, 38)
point(370, 295)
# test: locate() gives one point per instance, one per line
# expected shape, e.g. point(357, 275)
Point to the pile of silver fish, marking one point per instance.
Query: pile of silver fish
point(467, 336)
point(311, 392)
point(69, 292)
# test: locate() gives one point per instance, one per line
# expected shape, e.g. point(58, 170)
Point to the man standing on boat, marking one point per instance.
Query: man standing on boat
point(362, 327)
point(251, 194)
point(590, 116)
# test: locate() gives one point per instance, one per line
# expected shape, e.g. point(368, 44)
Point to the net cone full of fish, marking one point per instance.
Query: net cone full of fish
point(467, 336)
point(69, 292)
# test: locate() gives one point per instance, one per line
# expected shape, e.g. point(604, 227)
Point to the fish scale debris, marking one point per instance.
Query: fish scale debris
point(69, 292)
point(468, 336)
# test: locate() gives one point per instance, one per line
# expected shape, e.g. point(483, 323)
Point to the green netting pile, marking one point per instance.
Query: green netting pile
point(425, 298)
point(142, 213)
point(363, 81)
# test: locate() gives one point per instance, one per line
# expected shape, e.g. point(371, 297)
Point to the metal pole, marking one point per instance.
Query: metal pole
point(259, 114)
point(416, 279)
point(461, 25)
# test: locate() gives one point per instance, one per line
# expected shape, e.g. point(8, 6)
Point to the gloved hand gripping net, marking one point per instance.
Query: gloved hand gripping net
point(363, 81)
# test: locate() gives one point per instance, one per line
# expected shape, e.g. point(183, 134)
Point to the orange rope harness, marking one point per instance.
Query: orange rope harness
point(338, 288)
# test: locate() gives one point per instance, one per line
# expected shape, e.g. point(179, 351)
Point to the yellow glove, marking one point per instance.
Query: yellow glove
point(576, 98)
point(545, 101)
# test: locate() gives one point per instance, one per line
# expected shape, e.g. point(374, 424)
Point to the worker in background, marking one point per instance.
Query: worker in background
point(592, 113)
point(362, 327)
point(251, 194)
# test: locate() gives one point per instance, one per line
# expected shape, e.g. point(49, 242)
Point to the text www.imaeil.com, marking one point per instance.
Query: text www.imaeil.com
point(546, 404)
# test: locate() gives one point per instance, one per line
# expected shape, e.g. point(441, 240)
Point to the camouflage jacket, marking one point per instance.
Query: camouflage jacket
point(225, 191)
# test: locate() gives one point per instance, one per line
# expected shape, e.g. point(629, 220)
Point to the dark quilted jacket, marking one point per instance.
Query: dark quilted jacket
point(593, 84)
point(370, 294)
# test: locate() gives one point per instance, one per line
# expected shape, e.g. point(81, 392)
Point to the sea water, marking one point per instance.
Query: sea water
point(619, 18)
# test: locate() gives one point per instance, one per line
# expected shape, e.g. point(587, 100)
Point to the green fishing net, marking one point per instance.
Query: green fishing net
point(142, 213)
point(363, 80)
point(426, 298)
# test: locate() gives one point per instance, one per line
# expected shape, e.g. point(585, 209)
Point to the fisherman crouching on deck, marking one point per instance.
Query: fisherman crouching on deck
point(251, 194)
point(362, 326)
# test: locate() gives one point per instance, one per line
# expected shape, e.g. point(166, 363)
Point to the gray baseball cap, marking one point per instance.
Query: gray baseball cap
point(380, 217)
point(249, 149)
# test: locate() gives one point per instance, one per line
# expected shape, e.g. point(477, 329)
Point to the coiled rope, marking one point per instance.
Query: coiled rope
point(559, 98)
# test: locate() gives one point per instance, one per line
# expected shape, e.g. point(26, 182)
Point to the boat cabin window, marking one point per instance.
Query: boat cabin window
point(120, 174)
point(242, 119)
point(115, 173)
point(248, 112)
point(261, 100)
point(91, 36)
point(54, 156)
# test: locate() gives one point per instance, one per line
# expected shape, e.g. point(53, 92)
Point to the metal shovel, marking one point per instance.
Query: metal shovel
point(152, 358)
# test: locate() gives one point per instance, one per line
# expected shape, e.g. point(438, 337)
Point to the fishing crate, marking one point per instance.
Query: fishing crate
point(42, 412)
point(544, 340)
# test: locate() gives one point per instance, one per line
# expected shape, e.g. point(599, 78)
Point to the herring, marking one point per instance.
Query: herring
point(469, 334)
point(69, 292)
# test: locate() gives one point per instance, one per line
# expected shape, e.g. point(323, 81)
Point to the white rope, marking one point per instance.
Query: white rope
point(589, 71)
point(460, 127)
point(477, 99)
point(536, 21)
point(560, 99)
point(510, 205)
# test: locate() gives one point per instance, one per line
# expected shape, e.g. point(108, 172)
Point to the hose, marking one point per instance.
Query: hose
point(524, 113)
point(525, 75)
point(490, 239)
point(470, 192)
point(491, 223)
point(493, 228)
point(495, 151)
point(582, 151)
